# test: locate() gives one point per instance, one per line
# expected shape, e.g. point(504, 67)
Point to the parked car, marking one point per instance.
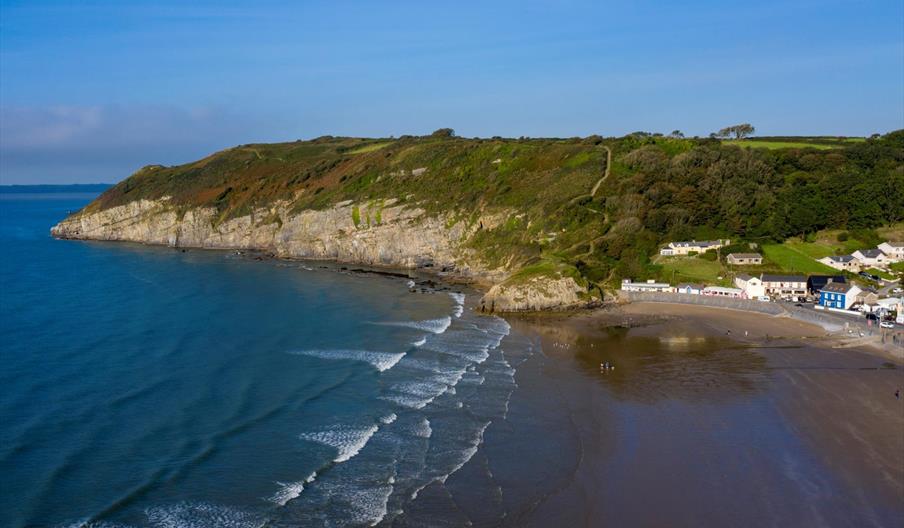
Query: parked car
point(887, 324)
point(869, 276)
point(897, 290)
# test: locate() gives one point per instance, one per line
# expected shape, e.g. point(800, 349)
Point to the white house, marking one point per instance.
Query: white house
point(689, 289)
point(894, 251)
point(842, 262)
point(785, 285)
point(694, 246)
point(720, 291)
point(752, 286)
point(871, 258)
point(649, 286)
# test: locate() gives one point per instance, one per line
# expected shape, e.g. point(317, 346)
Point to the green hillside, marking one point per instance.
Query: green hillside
point(658, 189)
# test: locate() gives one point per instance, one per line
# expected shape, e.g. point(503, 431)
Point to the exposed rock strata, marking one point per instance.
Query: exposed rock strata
point(383, 234)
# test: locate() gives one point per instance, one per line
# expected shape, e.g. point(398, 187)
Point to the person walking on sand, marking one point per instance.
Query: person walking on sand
point(898, 394)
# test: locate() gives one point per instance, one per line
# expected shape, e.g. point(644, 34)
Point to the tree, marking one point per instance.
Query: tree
point(676, 134)
point(443, 132)
point(743, 130)
point(738, 131)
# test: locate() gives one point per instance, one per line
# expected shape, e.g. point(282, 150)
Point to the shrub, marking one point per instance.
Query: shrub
point(843, 236)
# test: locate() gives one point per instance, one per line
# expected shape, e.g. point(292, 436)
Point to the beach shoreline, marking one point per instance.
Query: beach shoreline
point(719, 417)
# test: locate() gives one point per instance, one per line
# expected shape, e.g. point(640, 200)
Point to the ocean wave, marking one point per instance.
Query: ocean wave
point(423, 429)
point(419, 342)
point(346, 440)
point(436, 326)
point(386, 420)
point(291, 490)
point(459, 297)
point(200, 515)
point(468, 453)
point(408, 401)
point(369, 506)
point(381, 361)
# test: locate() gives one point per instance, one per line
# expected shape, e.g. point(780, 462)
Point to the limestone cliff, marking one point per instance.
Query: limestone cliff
point(376, 233)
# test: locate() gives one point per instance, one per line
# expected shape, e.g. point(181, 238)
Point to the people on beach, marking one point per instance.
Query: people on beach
point(898, 394)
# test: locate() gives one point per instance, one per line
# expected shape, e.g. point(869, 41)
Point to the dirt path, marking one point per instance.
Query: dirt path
point(605, 174)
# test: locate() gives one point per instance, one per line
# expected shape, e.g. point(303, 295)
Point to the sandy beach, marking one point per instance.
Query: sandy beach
point(711, 417)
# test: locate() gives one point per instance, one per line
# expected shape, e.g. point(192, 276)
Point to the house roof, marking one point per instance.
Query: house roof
point(766, 277)
point(818, 281)
point(723, 289)
point(841, 258)
point(691, 284)
point(745, 255)
point(744, 276)
point(697, 243)
point(870, 253)
point(895, 244)
point(837, 287)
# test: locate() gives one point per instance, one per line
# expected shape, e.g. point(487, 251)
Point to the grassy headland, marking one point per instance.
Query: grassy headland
point(547, 221)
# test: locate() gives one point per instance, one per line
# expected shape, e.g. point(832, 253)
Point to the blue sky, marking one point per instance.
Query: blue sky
point(91, 91)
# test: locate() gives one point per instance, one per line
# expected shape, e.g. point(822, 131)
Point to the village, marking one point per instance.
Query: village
point(866, 286)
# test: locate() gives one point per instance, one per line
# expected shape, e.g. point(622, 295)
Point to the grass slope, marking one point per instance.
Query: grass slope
point(535, 194)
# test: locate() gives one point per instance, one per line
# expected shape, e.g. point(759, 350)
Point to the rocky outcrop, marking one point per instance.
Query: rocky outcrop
point(536, 294)
point(380, 233)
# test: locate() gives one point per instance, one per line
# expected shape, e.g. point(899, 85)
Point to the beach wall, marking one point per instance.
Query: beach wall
point(832, 322)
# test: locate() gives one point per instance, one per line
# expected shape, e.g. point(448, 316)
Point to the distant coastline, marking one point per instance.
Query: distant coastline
point(54, 188)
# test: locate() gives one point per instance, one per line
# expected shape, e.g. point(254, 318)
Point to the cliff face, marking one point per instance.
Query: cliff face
point(384, 235)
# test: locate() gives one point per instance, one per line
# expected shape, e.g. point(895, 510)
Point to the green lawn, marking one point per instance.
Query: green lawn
point(879, 273)
point(790, 259)
point(773, 145)
point(814, 250)
point(691, 269)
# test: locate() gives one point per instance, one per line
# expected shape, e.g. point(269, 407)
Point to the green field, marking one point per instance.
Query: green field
point(774, 145)
point(879, 273)
point(790, 259)
point(692, 269)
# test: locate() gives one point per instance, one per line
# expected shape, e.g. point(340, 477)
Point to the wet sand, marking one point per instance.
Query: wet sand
point(694, 427)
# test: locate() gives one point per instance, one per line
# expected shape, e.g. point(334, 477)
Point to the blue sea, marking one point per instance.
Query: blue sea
point(149, 386)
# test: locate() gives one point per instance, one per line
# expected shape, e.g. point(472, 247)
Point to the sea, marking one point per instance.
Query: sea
point(162, 387)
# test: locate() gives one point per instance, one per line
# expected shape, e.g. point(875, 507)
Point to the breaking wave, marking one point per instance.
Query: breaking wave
point(381, 361)
point(436, 326)
point(347, 441)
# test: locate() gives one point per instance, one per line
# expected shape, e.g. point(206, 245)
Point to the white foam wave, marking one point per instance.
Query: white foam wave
point(436, 326)
point(458, 310)
point(381, 361)
point(419, 342)
point(407, 400)
point(423, 429)
point(347, 441)
point(386, 420)
point(291, 490)
point(200, 515)
point(459, 297)
point(370, 506)
point(468, 453)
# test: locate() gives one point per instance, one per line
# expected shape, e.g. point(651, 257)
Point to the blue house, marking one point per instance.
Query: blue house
point(838, 295)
